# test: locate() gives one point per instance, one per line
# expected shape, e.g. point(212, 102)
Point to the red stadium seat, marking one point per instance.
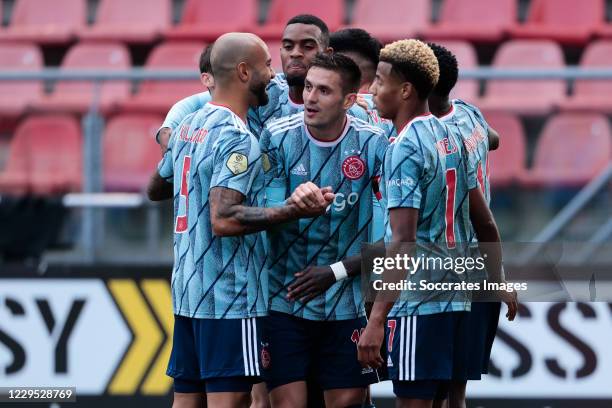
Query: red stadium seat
point(281, 11)
point(130, 151)
point(526, 97)
point(16, 95)
point(474, 20)
point(45, 22)
point(466, 89)
point(568, 22)
point(573, 148)
point(205, 20)
point(129, 21)
point(45, 157)
point(76, 96)
point(159, 96)
point(507, 164)
point(390, 20)
point(593, 95)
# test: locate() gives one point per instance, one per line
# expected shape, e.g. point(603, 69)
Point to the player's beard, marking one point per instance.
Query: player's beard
point(258, 89)
point(295, 80)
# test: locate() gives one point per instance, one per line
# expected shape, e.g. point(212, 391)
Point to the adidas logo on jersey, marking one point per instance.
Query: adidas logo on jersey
point(300, 170)
point(389, 361)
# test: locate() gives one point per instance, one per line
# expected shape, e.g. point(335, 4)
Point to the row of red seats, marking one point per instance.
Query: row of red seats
point(45, 153)
point(18, 97)
point(60, 21)
point(525, 97)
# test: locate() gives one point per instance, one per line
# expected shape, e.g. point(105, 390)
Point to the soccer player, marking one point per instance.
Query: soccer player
point(219, 282)
point(425, 188)
point(320, 146)
point(467, 121)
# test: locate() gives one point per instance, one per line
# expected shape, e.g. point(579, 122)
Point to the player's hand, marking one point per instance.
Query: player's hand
point(164, 138)
point(511, 300)
point(310, 200)
point(310, 283)
point(361, 101)
point(370, 341)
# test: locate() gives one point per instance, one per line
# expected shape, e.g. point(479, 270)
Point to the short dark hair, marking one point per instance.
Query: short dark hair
point(449, 70)
point(347, 69)
point(205, 65)
point(312, 20)
point(356, 40)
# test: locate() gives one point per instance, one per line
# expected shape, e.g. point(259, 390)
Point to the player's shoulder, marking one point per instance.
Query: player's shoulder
point(466, 108)
point(363, 127)
point(421, 126)
point(285, 124)
point(222, 121)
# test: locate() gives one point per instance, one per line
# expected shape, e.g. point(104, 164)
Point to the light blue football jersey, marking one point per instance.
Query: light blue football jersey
point(426, 168)
point(214, 277)
point(349, 166)
point(467, 121)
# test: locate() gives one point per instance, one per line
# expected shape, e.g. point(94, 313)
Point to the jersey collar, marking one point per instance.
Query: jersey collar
point(329, 143)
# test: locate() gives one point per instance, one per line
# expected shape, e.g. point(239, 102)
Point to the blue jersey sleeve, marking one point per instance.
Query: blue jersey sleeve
point(236, 161)
point(405, 164)
point(184, 107)
point(165, 168)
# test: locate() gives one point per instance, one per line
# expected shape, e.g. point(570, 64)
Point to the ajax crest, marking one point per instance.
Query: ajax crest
point(353, 167)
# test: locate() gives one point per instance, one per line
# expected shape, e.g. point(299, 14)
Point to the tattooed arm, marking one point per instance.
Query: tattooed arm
point(229, 216)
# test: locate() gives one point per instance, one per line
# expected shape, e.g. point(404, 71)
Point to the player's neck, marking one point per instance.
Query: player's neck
point(439, 105)
point(406, 114)
point(296, 94)
point(232, 100)
point(329, 133)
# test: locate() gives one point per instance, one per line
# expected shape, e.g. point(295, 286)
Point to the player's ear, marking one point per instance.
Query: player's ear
point(207, 79)
point(243, 71)
point(329, 51)
point(407, 90)
point(349, 100)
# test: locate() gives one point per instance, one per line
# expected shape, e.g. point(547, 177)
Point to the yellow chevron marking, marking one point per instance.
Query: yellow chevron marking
point(147, 337)
point(157, 292)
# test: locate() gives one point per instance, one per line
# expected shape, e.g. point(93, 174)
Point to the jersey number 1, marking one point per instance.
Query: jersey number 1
point(181, 220)
point(451, 187)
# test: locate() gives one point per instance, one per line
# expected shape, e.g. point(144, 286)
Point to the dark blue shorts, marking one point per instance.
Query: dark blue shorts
point(297, 349)
point(479, 329)
point(215, 355)
point(425, 347)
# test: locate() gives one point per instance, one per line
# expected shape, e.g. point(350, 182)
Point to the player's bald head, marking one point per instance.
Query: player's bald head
point(231, 49)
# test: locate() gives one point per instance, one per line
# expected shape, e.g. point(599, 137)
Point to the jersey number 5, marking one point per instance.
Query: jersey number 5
point(181, 220)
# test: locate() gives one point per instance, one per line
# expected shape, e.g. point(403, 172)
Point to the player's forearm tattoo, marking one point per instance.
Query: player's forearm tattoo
point(238, 219)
